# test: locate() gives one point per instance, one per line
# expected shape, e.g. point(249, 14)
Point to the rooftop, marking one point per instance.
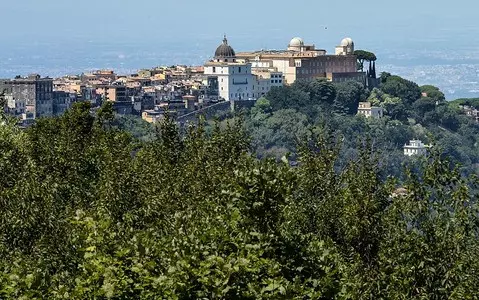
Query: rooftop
point(283, 53)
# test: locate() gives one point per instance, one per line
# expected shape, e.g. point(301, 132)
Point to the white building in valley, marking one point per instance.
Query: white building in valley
point(369, 111)
point(415, 147)
point(232, 79)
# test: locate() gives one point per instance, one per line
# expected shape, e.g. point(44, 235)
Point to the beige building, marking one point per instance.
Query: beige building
point(151, 116)
point(301, 61)
point(114, 93)
point(369, 111)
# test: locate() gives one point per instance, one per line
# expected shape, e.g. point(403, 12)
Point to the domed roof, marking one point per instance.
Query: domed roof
point(347, 42)
point(296, 42)
point(225, 50)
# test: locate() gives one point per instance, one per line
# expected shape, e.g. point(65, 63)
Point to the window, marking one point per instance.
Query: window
point(239, 69)
point(280, 81)
point(214, 69)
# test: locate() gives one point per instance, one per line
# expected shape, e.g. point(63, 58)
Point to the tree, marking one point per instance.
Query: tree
point(262, 105)
point(322, 91)
point(433, 92)
point(394, 106)
point(87, 211)
point(348, 96)
point(396, 86)
point(362, 56)
point(286, 97)
point(423, 106)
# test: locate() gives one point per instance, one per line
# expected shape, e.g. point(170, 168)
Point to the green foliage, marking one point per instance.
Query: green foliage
point(87, 212)
point(421, 117)
point(474, 102)
point(423, 106)
point(348, 96)
point(303, 95)
point(134, 125)
point(433, 93)
point(394, 106)
point(396, 86)
point(287, 97)
point(362, 56)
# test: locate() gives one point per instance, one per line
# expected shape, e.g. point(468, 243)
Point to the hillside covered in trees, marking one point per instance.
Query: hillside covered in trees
point(87, 211)
point(290, 114)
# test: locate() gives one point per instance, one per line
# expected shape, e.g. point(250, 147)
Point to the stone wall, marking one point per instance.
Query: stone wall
point(212, 110)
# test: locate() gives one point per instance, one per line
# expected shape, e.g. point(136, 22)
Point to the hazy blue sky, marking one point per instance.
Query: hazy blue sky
point(249, 24)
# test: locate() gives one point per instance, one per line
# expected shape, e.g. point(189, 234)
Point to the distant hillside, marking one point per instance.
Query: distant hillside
point(474, 102)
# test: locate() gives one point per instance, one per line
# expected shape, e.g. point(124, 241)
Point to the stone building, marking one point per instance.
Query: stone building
point(112, 92)
point(62, 101)
point(14, 106)
point(301, 61)
point(231, 79)
point(415, 147)
point(36, 92)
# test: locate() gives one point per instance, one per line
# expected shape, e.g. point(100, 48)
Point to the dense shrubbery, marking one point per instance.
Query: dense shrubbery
point(88, 212)
point(291, 113)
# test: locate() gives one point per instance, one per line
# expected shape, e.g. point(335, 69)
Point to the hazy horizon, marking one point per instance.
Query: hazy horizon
point(58, 37)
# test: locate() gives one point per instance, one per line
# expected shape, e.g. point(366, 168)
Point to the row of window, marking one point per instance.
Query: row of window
point(328, 63)
point(44, 88)
point(276, 81)
point(232, 70)
point(245, 95)
point(246, 88)
point(318, 71)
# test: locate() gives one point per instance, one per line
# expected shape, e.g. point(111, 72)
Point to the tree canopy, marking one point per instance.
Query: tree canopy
point(88, 210)
point(362, 56)
point(396, 86)
point(433, 93)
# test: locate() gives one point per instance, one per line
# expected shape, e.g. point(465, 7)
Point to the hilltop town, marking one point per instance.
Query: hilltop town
point(181, 90)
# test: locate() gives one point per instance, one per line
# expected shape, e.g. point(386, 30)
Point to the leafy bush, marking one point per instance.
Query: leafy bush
point(87, 212)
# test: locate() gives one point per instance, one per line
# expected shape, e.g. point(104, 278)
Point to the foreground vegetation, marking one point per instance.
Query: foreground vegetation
point(87, 211)
point(289, 114)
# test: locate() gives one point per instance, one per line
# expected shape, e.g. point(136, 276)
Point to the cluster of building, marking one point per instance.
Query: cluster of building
point(470, 112)
point(250, 75)
point(228, 76)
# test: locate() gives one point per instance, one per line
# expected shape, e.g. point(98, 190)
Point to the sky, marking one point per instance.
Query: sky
point(249, 24)
point(427, 41)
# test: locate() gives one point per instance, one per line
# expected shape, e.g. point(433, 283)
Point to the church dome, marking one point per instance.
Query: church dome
point(347, 42)
point(225, 50)
point(296, 42)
